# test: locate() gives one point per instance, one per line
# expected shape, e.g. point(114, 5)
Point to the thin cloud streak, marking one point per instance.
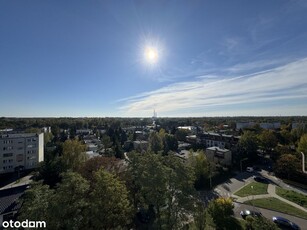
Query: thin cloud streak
point(288, 82)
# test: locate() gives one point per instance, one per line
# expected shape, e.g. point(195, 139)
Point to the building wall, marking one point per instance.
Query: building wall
point(20, 150)
point(220, 156)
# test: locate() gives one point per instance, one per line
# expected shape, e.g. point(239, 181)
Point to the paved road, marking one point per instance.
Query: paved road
point(269, 214)
point(232, 185)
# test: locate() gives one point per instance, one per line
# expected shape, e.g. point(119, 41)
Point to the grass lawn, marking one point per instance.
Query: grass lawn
point(258, 189)
point(295, 197)
point(277, 205)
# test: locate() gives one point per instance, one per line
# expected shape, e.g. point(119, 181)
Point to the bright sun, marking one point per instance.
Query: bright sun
point(151, 55)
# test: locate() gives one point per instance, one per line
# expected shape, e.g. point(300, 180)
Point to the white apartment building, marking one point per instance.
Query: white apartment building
point(24, 150)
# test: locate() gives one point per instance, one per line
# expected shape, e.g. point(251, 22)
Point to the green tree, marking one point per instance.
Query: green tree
point(200, 165)
point(73, 154)
point(155, 142)
point(107, 143)
point(50, 171)
point(110, 207)
point(36, 204)
point(248, 145)
point(287, 165)
point(165, 183)
point(221, 210)
point(181, 134)
point(92, 165)
point(268, 140)
point(170, 143)
point(47, 138)
point(70, 203)
point(302, 145)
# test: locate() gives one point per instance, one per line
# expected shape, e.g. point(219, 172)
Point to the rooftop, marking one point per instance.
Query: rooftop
point(9, 198)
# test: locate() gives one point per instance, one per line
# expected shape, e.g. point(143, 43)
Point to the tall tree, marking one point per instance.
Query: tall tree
point(268, 140)
point(200, 164)
point(70, 203)
point(73, 154)
point(287, 165)
point(110, 207)
point(92, 165)
point(170, 143)
point(248, 144)
point(302, 145)
point(107, 143)
point(155, 142)
point(36, 204)
point(165, 183)
point(221, 210)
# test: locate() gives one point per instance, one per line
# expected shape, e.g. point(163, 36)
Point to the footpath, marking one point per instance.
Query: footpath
point(271, 193)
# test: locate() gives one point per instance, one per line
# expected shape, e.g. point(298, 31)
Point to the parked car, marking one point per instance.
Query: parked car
point(249, 169)
point(246, 213)
point(260, 179)
point(284, 223)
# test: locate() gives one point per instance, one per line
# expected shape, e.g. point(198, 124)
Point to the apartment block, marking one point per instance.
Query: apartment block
point(23, 150)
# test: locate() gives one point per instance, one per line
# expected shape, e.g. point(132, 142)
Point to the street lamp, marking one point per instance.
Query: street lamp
point(303, 162)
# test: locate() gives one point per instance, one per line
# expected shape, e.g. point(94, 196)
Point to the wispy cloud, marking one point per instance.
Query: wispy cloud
point(256, 65)
point(287, 82)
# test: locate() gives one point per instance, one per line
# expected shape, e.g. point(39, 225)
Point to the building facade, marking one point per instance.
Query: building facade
point(22, 150)
point(219, 156)
point(209, 139)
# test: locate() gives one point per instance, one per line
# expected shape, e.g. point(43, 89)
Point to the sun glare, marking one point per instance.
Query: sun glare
point(151, 55)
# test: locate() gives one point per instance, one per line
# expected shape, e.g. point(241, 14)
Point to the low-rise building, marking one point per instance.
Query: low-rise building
point(219, 156)
point(140, 146)
point(210, 139)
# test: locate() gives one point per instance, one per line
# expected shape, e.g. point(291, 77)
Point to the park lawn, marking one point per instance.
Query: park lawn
point(295, 197)
point(258, 189)
point(277, 205)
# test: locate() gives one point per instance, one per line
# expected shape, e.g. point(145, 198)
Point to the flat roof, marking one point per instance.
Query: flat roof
point(214, 148)
point(18, 135)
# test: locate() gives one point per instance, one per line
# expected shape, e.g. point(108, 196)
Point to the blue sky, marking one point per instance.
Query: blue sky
point(215, 58)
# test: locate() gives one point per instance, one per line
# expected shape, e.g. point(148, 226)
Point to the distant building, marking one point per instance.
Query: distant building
point(140, 146)
point(296, 125)
point(191, 129)
point(271, 125)
point(20, 151)
point(219, 156)
point(84, 131)
point(46, 129)
point(244, 125)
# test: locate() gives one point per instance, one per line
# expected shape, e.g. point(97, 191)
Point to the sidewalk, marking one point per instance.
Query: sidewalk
point(271, 193)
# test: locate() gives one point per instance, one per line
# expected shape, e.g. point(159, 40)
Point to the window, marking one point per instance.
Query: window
point(31, 151)
point(7, 154)
point(8, 142)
